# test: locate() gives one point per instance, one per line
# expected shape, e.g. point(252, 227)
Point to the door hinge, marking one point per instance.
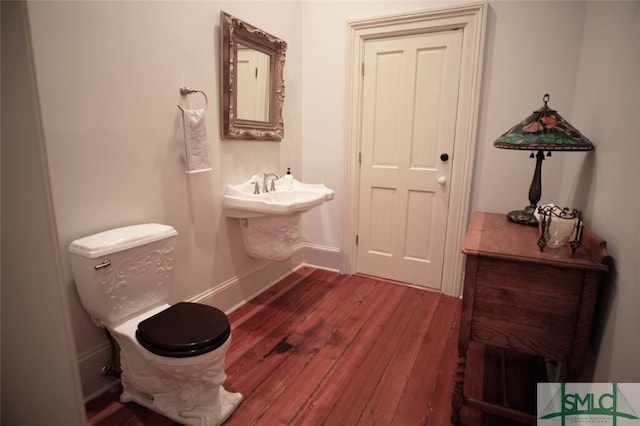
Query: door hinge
point(359, 158)
point(356, 239)
point(362, 68)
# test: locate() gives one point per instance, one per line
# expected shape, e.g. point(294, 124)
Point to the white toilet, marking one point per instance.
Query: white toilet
point(172, 357)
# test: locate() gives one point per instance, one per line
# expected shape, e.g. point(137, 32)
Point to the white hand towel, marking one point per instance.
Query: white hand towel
point(195, 140)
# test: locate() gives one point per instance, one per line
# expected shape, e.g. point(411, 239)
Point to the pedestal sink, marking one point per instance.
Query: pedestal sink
point(270, 220)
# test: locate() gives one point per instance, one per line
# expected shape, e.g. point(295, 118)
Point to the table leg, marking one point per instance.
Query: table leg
point(457, 398)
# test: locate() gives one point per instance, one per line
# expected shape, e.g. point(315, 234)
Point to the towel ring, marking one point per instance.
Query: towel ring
point(184, 91)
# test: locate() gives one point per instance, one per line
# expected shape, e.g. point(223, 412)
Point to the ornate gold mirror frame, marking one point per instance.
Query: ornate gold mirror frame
point(237, 36)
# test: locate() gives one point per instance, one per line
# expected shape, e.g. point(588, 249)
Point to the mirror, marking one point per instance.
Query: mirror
point(252, 81)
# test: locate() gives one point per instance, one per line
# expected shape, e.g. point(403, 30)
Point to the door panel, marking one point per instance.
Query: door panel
point(253, 85)
point(410, 92)
point(380, 233)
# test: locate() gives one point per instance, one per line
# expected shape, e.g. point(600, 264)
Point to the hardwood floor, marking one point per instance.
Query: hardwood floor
point(324, 348)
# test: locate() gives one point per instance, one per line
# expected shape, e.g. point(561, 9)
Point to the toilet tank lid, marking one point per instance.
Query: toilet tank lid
point(115, 240)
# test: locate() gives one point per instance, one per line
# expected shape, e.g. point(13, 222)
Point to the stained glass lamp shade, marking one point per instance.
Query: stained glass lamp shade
point(544, 130)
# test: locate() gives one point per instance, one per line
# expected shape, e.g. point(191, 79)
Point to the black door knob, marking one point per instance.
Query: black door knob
point(444, 157)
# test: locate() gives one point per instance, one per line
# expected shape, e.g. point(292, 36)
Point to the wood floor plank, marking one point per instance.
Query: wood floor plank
point(420, 388)
point(439, 408)
point(265, 353)
point(304, 343)
point(133, 415)
point(276, 320)
point(381, 407)
point(365, 378)
point(104, 405)
point(348, 319)
point(239, 315)
point(269, 307)
point(329, 392)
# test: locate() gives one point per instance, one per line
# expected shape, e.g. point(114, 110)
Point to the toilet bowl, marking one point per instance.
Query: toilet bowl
point(172, 356)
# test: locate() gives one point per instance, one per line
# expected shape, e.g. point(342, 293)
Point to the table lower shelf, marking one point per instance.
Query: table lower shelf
point(507, 395)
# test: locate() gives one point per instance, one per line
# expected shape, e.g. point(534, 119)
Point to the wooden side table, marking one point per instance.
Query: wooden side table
point(518, 297)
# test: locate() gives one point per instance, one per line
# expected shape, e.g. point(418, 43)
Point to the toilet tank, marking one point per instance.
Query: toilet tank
point(125, 271)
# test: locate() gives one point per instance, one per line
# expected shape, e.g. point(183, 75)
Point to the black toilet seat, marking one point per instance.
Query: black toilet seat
point(184, 330)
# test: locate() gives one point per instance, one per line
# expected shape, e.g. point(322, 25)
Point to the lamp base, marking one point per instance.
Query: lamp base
point(523, 217)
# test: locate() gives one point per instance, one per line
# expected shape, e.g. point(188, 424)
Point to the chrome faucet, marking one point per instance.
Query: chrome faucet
point(266, 179)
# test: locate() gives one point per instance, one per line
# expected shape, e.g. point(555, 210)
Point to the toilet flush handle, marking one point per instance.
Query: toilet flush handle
point(104, 264)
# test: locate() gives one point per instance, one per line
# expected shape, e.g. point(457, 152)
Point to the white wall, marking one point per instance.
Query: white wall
point(108, 75)
point(604, 184)
point(40, 381)
point(532, 48)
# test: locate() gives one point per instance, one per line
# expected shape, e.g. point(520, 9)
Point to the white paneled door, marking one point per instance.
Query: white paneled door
point(409, 107)
point(253, 84)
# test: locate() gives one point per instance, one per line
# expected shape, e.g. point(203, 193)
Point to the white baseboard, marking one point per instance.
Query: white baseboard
point(90, 366)
point(238, 290)
point(227, 296)
point(322, 257)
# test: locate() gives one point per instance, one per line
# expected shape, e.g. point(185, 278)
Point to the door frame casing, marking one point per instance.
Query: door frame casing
point(471, 18)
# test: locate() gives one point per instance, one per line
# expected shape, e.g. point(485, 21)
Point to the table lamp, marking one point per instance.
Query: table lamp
point(544, 130)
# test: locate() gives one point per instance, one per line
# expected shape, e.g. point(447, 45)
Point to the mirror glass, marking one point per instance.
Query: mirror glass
point(252, 81)
point(253, 84)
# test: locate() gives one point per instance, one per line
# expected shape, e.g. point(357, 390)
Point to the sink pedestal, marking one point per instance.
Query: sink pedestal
point(270, 237)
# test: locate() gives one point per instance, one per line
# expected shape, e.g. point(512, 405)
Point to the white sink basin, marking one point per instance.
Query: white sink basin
point(241, 202)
